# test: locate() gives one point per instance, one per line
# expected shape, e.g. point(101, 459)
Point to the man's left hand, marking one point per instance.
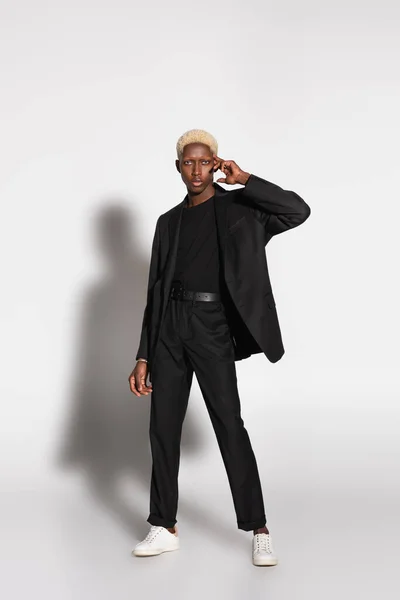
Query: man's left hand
point(233, 172)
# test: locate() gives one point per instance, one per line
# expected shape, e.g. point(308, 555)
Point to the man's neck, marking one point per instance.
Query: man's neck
point(194, 199)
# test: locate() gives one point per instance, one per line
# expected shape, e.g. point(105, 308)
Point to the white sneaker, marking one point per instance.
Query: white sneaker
point(158, 540)
point(263, 553)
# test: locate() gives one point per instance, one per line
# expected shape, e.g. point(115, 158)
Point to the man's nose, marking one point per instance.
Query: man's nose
point(196, 169)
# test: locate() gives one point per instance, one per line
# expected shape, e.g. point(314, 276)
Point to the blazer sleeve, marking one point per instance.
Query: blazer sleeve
point(152, 278)
point(279, 210)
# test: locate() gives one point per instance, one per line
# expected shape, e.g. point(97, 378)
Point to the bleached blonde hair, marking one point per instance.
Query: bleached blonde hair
point(196, 136)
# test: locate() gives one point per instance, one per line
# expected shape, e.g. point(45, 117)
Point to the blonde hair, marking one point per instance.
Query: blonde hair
point(196, 136)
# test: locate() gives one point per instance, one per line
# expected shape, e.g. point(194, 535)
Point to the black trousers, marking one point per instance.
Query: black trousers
point(195, 337)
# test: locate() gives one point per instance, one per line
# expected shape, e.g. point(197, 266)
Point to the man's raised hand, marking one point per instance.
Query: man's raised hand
point(233, 172)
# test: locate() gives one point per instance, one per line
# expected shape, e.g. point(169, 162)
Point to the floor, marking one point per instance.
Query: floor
point(73, 540)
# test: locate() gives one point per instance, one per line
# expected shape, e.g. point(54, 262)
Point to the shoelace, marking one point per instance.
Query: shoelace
point(263, 543)
point(154, 530)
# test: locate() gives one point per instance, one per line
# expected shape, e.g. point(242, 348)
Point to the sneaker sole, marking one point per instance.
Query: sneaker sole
point(265, 563)
point(152, 552)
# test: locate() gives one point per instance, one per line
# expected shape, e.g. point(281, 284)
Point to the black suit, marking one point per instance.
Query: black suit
point(206, 338)
point(246, 218)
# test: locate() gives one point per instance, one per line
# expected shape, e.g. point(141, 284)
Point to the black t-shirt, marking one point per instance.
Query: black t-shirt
point(197, 262)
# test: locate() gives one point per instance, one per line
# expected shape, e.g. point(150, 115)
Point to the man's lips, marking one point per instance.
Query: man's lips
point(196, 181)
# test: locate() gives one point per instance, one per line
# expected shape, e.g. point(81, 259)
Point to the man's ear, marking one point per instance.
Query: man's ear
point(177, 166)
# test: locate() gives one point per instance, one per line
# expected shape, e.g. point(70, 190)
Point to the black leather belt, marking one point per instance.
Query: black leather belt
point(178, 292)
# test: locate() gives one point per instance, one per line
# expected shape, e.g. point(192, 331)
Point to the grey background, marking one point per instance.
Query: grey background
point(94, 96)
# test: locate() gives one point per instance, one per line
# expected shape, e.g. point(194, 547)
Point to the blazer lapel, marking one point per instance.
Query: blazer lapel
point(173, 231)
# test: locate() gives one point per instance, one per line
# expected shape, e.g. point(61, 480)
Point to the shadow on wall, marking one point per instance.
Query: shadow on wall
point(106, 430)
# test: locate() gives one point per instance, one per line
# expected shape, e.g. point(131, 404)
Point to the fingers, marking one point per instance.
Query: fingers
point(224, 165)
point(132, 385)
point(220, 164)
point(217, 162)
point(137, 380)
point(144, 389)
point(139, 388)
point(228, 167)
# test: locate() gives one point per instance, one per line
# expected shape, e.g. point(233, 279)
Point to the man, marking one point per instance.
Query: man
point(209, 303)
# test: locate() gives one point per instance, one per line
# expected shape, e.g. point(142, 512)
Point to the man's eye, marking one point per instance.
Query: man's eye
point(188, 162)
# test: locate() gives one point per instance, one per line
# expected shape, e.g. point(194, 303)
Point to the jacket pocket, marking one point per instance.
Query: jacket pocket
point(237, 224)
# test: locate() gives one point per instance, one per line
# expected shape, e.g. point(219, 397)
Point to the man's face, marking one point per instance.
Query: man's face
point(196, 167)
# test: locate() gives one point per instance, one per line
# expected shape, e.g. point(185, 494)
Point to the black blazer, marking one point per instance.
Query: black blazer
point(246, 218)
